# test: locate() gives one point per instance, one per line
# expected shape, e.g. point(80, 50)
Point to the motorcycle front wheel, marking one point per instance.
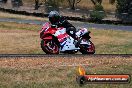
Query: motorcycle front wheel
point(49, 46)
point(87, 49)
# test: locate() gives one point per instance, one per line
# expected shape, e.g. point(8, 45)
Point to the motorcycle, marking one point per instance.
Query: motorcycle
point(56, 40)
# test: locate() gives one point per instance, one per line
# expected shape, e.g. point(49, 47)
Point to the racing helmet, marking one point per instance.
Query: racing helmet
point(54, 17)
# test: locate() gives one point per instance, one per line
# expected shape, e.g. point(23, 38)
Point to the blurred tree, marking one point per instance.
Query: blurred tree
point(96, 2)
point(36, 4)
point(100, 1)
point(112, 1)
point(72, 3)
point(16, 3)
point(98, 13)
point(124, 10)
point(3, 1)
point(52, 5)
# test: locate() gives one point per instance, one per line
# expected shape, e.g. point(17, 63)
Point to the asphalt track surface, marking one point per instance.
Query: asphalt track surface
point(77, 24)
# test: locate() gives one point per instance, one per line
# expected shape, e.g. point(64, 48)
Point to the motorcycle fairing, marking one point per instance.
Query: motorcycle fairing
point(66, 41)
point(45, 27)
point(68, 44)
point(81, 32)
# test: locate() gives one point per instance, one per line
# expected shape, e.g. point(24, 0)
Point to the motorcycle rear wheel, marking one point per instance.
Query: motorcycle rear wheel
point(49, 46)
point(87, 49)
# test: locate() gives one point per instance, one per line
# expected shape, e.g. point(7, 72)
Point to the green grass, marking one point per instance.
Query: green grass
point(17, 26)
point(49, 72)
point(112, 41)
point(16, 16)
point(56, 78)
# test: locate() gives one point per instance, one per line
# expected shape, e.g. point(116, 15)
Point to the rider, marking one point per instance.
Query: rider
point(56, 19)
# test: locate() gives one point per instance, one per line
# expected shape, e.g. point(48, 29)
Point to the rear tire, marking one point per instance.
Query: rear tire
point(49, 46)
point(87, 49)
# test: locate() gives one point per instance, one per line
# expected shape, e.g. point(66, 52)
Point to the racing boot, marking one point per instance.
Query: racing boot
point(77, 41)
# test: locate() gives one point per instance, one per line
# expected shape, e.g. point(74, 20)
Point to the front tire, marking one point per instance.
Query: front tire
point(49, 46)
point(87, 49)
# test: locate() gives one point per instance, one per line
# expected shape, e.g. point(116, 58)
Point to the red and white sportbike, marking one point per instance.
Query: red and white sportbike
point(56, 40)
